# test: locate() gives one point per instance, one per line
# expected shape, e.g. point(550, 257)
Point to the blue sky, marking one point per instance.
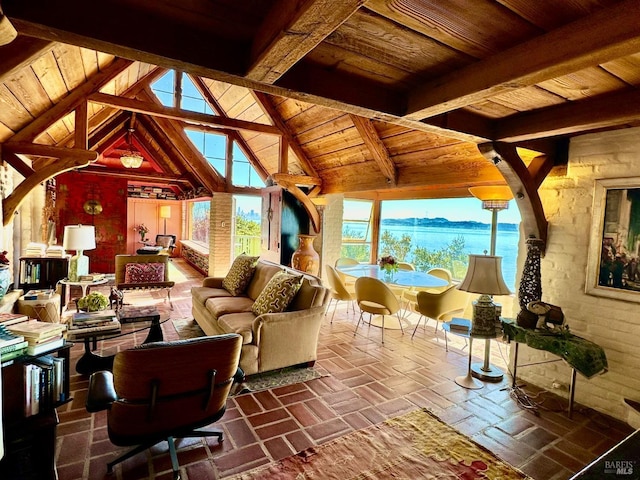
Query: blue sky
point(451, 209)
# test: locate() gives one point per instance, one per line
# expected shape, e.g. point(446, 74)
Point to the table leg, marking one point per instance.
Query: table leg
point(572, 391)
point(467, 381)
point(89, 362)
point(155, 332)
point(486, 371)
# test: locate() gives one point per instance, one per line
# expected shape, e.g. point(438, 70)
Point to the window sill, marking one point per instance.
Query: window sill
point(195, 246)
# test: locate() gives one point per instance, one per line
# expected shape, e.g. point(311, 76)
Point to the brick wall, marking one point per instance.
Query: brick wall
point(612, 323)
point(331, 231)
point(220, 234)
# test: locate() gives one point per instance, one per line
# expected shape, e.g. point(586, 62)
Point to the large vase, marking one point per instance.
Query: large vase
point(305, 258)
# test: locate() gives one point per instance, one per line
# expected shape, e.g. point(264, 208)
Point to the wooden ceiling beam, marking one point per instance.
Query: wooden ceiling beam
point(296, 179)
point(71, 101)
point(605, 35)
point(22, 167)
point(291, 30)
point(21, 52)
point(524, 188)
point(27, 148)
point(574, 117)
point(376, 147)
point(134, 176)
point(270, 110)
point(179, 114)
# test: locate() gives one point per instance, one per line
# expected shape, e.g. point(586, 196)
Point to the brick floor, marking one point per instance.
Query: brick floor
point(366, 383)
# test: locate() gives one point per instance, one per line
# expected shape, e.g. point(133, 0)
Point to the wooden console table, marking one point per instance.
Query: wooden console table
point(580, 354)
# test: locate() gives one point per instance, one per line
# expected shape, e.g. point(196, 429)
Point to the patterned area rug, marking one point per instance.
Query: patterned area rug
point(415, 445)
point(188, 328)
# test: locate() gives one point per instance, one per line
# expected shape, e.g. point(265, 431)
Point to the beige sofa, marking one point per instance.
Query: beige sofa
point(272, 340)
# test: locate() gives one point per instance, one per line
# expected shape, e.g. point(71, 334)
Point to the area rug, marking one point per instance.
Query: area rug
point(415, 445)
point(188, 328)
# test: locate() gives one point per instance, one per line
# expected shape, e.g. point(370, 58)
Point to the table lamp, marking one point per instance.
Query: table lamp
point(165, 212)
point(79, 238)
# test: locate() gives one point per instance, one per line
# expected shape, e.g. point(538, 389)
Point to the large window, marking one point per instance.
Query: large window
point(247, 224)
point(213, 146)
point(243, 172)
point(443, 232)
point(356, 230)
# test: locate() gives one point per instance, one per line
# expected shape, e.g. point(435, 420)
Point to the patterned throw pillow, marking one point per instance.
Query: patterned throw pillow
point(278, 293)
point(143, 272)
point(240, 274)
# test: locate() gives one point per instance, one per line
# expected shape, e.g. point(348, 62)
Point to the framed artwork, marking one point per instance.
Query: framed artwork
point(614, 248)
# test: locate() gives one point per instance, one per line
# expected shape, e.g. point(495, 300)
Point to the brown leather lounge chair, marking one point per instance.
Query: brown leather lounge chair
point(165, 390)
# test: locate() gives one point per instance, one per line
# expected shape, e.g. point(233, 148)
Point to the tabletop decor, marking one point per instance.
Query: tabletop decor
point(93, 302)
point(142, 230)
point(389, 265)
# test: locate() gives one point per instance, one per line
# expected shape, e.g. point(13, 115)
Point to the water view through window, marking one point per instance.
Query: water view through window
point(435, 233)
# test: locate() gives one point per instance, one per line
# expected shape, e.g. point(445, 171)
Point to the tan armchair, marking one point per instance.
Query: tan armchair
point(375, 298)
point(338, 291)
point(440, 306)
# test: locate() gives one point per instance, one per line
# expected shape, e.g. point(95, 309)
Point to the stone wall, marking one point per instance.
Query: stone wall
point(611, 323)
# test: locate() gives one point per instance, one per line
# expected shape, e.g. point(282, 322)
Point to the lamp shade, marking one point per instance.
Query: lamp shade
point(79, 237)
point(491, 192)
point(165, 211)
point(484, 276)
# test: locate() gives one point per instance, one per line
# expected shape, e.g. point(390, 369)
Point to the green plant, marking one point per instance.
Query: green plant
point(93, 302)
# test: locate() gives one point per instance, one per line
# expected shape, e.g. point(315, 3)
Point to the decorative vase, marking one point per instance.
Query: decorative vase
point(305, 258)
point(5, 280)
point(142, 237)
point(388, 274)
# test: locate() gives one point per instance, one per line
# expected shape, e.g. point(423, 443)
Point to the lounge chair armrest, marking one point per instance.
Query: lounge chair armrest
point(101, 391)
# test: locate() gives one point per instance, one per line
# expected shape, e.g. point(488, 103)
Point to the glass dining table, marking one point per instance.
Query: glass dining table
point(399, 279)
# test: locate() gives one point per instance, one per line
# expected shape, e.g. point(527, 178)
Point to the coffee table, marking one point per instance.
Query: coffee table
point(89, 362)
point(130, 313)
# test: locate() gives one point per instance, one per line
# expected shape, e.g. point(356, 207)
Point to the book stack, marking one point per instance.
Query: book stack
point(92, 277)
point(460, 325)
point(43, 382)
point(11, 318)
point(38, 295)
point(11, 345)
point(35, 249)
point(41, 336)
point(55, 251)
point(86, 322)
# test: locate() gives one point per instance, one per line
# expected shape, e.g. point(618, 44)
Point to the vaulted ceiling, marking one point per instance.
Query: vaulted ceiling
point(378, 98)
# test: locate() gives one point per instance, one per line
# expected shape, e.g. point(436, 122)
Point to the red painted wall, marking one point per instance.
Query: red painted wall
point(73, 190)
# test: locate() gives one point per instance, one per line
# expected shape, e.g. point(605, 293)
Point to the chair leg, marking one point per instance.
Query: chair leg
point(174, 458)
point(383, 329)
point(169, 298)
point(358, 324)
point(417, 325)
point(400, 322)
point(334, 310)
point(129, 454)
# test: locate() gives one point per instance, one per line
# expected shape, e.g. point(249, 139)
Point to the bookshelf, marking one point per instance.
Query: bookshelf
point(30, 440)
point(37, 273)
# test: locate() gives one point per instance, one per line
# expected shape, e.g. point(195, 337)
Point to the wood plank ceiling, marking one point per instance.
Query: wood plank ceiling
point(378, 98)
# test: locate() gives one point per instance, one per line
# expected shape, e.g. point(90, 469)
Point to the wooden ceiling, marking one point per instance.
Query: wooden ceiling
point(379, 98)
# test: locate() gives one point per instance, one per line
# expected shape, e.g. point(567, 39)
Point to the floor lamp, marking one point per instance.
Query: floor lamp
point(494, 198)
point(165, 212)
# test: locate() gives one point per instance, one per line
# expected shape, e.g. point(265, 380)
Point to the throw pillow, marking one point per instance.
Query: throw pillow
point(277, 294)
point(240, 274)
point(143, 272)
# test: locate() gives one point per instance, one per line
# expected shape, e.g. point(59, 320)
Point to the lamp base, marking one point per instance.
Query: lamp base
point(484, 317)
point(78, 266)
point(488, 373)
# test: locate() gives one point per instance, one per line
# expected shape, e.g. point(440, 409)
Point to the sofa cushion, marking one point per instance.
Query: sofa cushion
point(240, 274)
point(264, 273)
point(219, 306)
point(144, 272)
point(240, 323)
point(201, 294)
point(278, 293)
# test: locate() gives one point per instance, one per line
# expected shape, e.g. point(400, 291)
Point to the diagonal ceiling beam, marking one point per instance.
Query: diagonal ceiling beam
point(291, 29)
point(612, 32)
point(179, 114)
point(269, 109)
point(376, 147)
point(71, 101)
point(20, 53)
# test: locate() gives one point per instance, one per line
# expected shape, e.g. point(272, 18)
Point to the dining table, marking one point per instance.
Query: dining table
point(399, 279)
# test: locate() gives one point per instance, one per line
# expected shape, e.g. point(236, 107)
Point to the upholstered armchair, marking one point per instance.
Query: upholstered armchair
point(165, 390)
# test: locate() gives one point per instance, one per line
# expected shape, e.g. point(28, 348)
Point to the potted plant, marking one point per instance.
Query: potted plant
point(93, 302)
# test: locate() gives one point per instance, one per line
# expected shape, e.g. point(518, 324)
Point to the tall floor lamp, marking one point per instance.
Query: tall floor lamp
point(494, 198)
point(165, 212)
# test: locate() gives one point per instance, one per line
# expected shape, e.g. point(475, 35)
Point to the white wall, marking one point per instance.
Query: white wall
point(613, 324)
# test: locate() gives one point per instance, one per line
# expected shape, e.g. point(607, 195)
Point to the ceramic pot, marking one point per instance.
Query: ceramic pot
point(305, 258)
point(5, 280)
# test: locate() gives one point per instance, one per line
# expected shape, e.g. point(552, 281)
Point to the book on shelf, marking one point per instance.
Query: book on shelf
point(43, 294)
point(13, 347)
point(44, 339)
point(93, 316)
point(8, 337)
point(55, 251)
point(5, 357)
point(460, 325)
point(45, 347)
point(11, 318)
point(34, 329)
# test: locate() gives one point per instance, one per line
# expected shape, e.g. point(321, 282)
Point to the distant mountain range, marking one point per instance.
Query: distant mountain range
point(440, 222)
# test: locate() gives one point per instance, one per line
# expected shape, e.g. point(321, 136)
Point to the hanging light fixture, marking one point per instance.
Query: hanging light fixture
point(131, 158)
